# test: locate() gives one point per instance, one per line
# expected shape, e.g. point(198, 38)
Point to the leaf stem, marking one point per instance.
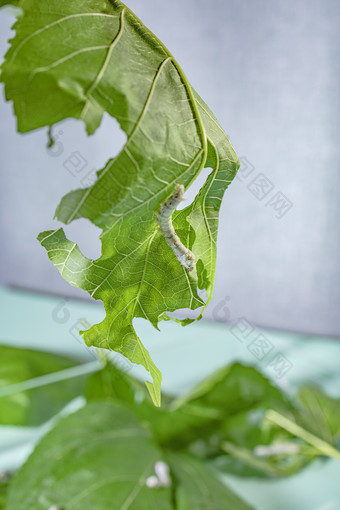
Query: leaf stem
point(54, 377)
point(248, 458)
point(292, 427)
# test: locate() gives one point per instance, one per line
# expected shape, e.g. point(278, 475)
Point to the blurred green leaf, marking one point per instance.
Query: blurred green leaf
point(10, 2)
point(315, 421)
point(285, 439)
point(228, 407)
point(237, 398)
point(5, 480)
point(98, 458)
point(197, 488)
point(319, 414)
point(35, 406)
point(111, 383)
point(233, 402)
point(233, 389)
point(224, 420)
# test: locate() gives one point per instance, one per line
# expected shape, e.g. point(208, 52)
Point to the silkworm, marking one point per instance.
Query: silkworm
point(183, 255)
point(161, 479)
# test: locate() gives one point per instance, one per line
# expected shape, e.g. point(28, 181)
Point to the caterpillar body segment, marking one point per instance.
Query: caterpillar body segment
point(185, 257)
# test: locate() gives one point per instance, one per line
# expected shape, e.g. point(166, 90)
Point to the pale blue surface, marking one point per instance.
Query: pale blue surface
point(185, 356)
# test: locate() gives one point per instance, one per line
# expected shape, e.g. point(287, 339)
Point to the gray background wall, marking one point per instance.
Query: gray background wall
point(269, 69)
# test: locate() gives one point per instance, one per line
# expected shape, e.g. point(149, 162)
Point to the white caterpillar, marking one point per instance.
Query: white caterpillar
point(162, 477)
point(184, 256)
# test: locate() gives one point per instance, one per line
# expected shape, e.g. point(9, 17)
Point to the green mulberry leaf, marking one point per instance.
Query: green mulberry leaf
point(198, 488)
point(99, 457)
point(80, 59)
point(24, 405)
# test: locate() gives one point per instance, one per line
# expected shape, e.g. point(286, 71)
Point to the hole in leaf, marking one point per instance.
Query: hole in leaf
point(80, 155)
point(80, 158)
point(86, 235)
point(193, 190)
